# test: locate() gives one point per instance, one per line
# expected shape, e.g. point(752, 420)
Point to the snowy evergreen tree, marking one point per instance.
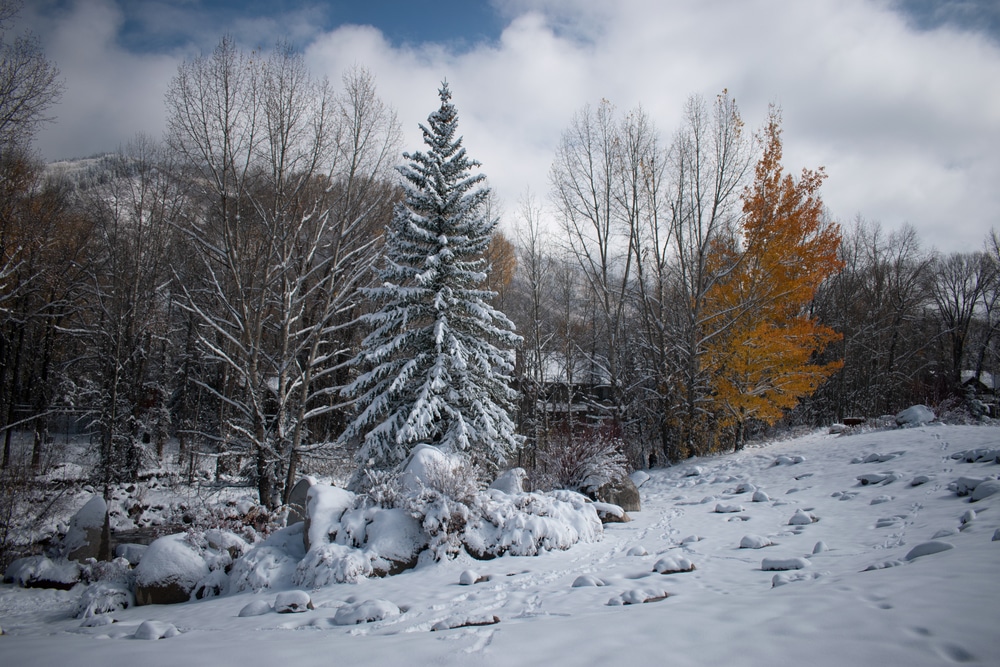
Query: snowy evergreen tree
point(440, 356)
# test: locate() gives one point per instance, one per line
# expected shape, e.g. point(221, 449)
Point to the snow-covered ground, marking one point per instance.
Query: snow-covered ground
point(862, 593)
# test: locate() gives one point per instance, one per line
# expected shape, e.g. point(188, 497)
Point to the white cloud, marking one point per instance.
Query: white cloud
point(905, 121)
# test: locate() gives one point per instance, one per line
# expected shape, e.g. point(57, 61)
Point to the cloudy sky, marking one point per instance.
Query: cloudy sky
point(898, 99)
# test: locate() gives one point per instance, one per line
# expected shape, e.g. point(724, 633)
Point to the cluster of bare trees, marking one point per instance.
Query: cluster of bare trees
point(204, 288)
point(621, 309)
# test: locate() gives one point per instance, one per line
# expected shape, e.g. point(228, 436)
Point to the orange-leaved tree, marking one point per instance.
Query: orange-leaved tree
point(763, 352)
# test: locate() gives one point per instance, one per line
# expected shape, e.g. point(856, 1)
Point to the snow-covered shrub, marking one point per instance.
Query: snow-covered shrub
point(332, 564)
point(103, 598)
point(581, 461)
point(382, 487)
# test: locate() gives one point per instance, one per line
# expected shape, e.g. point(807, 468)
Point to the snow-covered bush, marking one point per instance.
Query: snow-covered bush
point(581, 461)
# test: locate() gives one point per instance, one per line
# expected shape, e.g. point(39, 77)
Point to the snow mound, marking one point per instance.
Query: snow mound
point(784, 564)
point(171, 560)
point(324, 507)
point(637, 550)
point(722, 508)
point(927, 548)
point(255, 608)
point(638, 596)
point(760, 497)
point(292, 602)
point(788, 460)
point(802, 518)
point(755, 542)
point(639, 477)
point(41, 572)
point(470, 621)
point(367, 611)
point(155, 630)
point(915, 415)
point(789, 577)
point(511, 481)
point(874, 478)
point(470, 577)
point(985, 490)
point(587, 580)
point(673, 565)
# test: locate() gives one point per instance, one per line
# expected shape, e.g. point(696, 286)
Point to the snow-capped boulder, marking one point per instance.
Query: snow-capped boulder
point(131, 552)
point(41, 572)
point(673, 565)
point(297, 500)
point(639, 477)
point(769, 564)
point(89, 532)
point(928, 548)
point(915, 415)
point(609, 513)
point(985, 489)
point(423, 466)
point(802, 518)
point(324, 507)
point(511, 481)
point(620, 491)
point(754, 542)
point(255, 608)
point(169, 571)
point(393, 541)
point(156, 630)
point(366, 611)
point(292, 602)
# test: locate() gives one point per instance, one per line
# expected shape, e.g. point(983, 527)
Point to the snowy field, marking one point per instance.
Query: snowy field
point(885, 572)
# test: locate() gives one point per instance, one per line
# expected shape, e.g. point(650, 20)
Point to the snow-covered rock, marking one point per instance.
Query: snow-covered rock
point(256, 608)
point(510, 481)
point(324, 507)
point(673, 565)
point(915, 415)
point(88, 536)
point(393, 541)
point(638, 596)
point(42, 572)
point(366, 611)
point(620, 491)
point(784, 564)
point(292, 602)
point(755, 542)
point(802, 518)
point(587, 580)
point(170, 570)
point(156, 630)
point(723, 508)
point(465, 621)
point(639, 477)
point(927, 548)
point(985, 489)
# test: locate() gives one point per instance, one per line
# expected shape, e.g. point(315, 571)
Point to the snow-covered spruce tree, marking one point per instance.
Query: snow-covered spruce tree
point(437, 363)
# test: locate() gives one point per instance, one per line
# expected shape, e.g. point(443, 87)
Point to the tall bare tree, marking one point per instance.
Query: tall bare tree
point(294, 185)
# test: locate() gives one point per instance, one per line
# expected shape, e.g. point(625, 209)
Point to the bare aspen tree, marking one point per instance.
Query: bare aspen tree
point(709, 162)
point(295, 183)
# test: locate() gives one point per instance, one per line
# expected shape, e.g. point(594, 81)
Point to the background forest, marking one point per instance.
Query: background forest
point(677, 294)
